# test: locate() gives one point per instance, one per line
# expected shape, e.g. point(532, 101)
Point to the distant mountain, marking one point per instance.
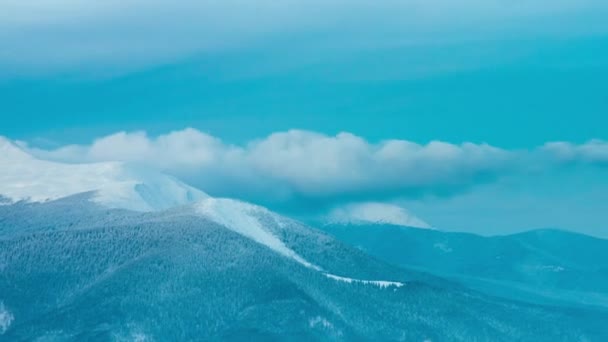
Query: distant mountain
point(364, 213)
point(542, 266)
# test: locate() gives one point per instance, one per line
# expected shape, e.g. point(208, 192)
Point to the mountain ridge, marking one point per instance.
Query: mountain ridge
point(540, 266)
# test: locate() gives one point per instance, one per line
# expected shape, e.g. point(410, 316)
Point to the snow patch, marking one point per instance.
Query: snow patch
point(326, 325)
point(139, 337)
point(443, 247)
point(375, 213)
point(380, 283)
point(244, 218)
point(250, 221)
point(115, 184)
point(320, 321)
point(6, 318)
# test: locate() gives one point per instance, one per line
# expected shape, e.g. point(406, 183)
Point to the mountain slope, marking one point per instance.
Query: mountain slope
point(546, 266)
point(179, 274)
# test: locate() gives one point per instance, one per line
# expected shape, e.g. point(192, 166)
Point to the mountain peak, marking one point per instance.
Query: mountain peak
point(375, 213)
point(116, 185)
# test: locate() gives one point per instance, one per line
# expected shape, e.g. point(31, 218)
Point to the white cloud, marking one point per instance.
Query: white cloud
point(591, 152)
point(313, 171)
point(300, 164)
point(188, 148)
point(320, 165)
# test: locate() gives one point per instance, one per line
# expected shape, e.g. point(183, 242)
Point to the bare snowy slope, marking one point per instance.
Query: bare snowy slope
point(116, 185)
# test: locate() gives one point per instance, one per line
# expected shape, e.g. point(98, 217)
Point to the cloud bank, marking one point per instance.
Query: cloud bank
point(301, 165)
point(593, 152)
point(308, 170)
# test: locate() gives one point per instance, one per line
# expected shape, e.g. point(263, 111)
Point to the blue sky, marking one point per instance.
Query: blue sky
point(514, 76)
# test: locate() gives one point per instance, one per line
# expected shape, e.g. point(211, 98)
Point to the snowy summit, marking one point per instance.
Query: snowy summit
point(115, 184)
point(375, 213)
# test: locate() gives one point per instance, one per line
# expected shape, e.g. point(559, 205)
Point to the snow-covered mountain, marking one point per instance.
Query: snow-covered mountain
point(367, 213)
point(115, 184)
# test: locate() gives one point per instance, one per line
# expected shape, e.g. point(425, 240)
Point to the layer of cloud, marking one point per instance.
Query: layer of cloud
point(591, 152)
point(63, 34)
point(313, 171)
point(301, 165)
